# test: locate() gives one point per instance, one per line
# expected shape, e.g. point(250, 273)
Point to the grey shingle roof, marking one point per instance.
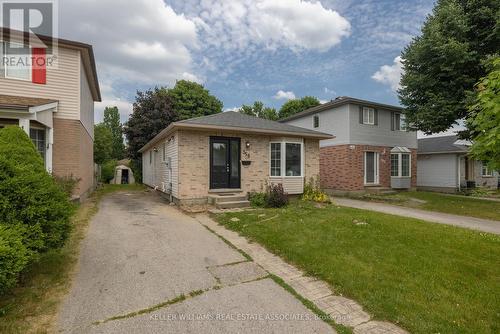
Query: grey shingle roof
point(339, 101)
point(237, 120)
point(445, 144)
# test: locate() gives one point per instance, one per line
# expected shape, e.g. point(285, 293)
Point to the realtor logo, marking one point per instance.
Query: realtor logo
point(29, 36)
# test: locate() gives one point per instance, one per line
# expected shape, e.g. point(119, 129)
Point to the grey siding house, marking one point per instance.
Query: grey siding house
point(443, 164)
point(371, 148)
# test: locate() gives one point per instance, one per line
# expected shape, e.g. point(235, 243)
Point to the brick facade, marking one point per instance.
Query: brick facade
point(73, 154)
point(342, 166)
point(194, 162)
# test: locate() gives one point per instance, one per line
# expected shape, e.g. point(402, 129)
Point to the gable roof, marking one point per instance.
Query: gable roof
point(444, 144)
point(340, 101)
point(235, 121)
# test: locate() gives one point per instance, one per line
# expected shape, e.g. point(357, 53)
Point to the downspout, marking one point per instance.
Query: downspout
point(459, 174)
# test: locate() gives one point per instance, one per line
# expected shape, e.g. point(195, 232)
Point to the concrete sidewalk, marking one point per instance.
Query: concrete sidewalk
point(146, 267)
point(484, 225)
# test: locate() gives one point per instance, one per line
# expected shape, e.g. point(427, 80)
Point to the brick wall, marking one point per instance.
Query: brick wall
point(342, 167)
point(73, 153)
point(194, 161)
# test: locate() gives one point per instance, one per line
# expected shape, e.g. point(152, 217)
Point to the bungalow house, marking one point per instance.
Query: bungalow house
point(54, 105)
point(372, 149)
point(227, 155)
point(444, 165)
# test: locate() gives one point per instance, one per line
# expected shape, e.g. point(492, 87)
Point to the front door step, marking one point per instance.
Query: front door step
point(228, 201)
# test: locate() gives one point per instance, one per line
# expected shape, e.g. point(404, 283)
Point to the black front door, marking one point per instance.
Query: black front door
point(224, 162)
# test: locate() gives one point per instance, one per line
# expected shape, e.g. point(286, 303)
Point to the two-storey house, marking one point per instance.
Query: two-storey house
point(53, 103)
point(371, 148)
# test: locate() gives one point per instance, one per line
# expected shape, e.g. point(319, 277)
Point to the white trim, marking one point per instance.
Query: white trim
point(368, 111)
point(4, 54)
point(400, 165)
point(44, 107)
point(283, 158)
point(376, 168)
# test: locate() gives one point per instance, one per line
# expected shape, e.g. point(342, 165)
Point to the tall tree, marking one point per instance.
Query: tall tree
point(152, 112)
point(102, 143)
point(291, 107)
point(190, 99)
point(443, 64)
point(112, 121)
point(484, 118)
point(258, 110)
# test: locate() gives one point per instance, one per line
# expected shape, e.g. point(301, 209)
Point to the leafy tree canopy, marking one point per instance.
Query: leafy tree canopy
point(258, 110)
point(443, 64)
point(152, 112)
point(112, 121)
point(190, 99)
point(484, 120)
point(103, 138)
point(291, 107)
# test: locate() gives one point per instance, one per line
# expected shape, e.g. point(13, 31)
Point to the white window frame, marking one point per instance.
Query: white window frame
point(377, 168)
point(368, 116)
point(283, 158)
point(400, 165)
point(485, 171)
point(4, 54)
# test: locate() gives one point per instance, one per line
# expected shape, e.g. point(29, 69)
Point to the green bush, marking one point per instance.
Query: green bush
point(30, 199)
point(108, 171)
point(257, 200)
point(14, 256)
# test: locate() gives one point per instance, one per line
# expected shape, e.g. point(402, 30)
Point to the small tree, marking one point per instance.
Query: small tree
point(112, 121)
point(103, 143)
point(484, 118)
point(258, 110)
point(292, 107)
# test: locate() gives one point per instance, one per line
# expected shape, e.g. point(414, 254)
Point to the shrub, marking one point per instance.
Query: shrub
point(276, 196)
point(108, 171)
point(258, 200)
point(67, 184)
point(29, 196)
point(14, 256)
point(312, 192)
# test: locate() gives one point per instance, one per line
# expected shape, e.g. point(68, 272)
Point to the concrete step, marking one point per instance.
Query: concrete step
point(380, 190)
point(233, 205)
point(214, 199)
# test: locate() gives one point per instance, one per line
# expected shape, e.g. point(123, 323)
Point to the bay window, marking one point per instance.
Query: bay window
point(286, 159)
point(400, 162)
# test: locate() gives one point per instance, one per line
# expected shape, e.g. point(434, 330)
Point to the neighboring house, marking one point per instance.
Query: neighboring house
point(55, 107)
point(444, 165)
point(371, 148)
point(232, 153)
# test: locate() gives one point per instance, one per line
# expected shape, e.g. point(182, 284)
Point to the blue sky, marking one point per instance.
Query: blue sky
point(246, 50)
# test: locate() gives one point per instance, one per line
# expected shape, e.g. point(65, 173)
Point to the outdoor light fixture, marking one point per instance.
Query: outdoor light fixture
point(155, 149)
point(247, 144)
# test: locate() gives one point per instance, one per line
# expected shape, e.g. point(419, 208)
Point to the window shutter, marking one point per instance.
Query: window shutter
point(360, 115)
point(392, 121)
point(39, 69)
point(375, 116)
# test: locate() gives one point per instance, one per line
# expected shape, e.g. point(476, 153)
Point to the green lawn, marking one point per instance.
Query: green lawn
point(429, 278)
point(458, 205)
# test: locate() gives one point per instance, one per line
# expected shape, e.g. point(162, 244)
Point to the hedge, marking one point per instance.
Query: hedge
point(30, 202)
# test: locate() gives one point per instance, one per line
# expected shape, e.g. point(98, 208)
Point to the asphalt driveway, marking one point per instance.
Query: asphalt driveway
point(146, 267)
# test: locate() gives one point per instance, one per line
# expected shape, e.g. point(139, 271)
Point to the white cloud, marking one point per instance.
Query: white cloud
point(294, 24)
point(110, 98)
point(282, 95)
point(390, 74)
point(232, 109)
point(142, 41)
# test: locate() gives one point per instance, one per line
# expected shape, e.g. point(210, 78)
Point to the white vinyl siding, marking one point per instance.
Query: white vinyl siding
point(155, 170)
point(86, 103)
point(63, 85)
